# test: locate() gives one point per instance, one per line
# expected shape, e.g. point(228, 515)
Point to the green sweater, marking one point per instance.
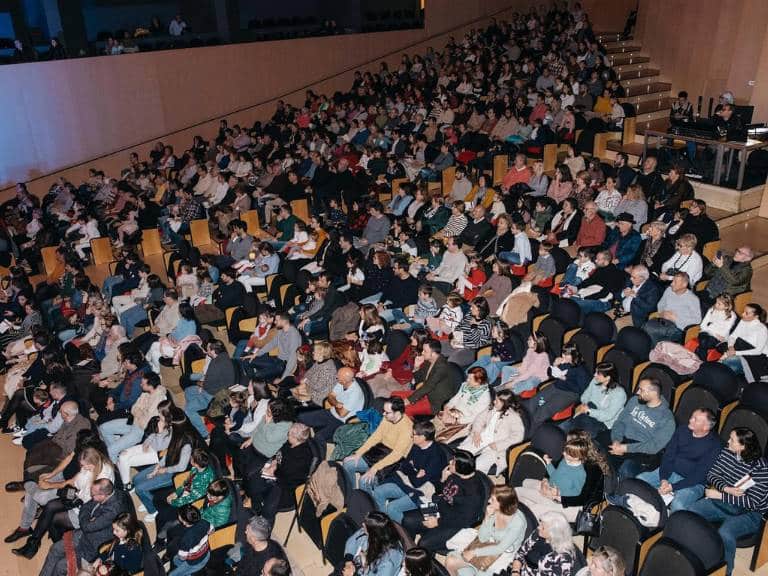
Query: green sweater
point(196, 486)
point(285, 228)
point(269, 437)
point(218, 514)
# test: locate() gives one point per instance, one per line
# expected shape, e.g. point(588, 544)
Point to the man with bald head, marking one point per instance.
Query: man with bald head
point(592, 229)
point(46, 455)
point(346, 399)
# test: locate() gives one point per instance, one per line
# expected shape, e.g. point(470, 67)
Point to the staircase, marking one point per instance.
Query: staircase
point(646, 90)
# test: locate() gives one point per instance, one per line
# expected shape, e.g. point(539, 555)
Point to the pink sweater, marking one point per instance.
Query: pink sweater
point(534, 364)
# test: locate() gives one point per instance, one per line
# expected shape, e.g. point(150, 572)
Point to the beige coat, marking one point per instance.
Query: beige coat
point(146, 406)
point(508, 432)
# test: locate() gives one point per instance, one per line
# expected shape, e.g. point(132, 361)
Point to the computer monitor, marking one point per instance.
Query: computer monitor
point(745, 113)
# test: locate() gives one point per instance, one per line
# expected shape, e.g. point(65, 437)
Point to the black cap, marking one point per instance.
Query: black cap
point(625, 217)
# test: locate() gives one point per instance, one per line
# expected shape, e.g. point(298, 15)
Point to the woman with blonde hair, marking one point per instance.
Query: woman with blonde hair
point(656, 248)
point(634, 203)
point(685, 259)
point(61, 500)
point(320, 378)
point(716, 327)
point(539, 181)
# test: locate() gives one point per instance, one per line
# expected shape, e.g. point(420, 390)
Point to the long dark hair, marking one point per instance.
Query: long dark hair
point(418, 562)
point(576, 357)
point(182, 434)
point(135, 529)
point(508, 402)
point(382, 536)
point(608, 370)
point(748, 439)
point(281, 411)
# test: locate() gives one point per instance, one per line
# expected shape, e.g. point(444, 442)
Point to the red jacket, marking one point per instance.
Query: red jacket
point(591, 233)
point(515, 176)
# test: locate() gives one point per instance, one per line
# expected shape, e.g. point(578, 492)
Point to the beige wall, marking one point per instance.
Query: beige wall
point(61, 114)
point(709, 46)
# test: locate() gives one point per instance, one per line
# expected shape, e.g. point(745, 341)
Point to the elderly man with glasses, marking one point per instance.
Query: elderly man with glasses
point(730, 275)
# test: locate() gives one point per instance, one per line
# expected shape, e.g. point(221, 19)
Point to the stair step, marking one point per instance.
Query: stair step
point(617, 40)
point(627, 59)
point(608, 34)
point(659, 125)
point(641, 73)
point(622, 49)
point(641, 82)
point(643, 90)
point(653, 105)
point(647, 97)
point(633, 67)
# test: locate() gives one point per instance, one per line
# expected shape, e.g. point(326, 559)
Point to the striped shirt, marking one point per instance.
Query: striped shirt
point(455, 225)
point(728, 469)
point(474, 335)
point(193, 545)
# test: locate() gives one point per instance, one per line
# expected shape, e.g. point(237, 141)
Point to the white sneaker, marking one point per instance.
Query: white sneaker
point(141, 508)
point(150, 517)
point(17, 441)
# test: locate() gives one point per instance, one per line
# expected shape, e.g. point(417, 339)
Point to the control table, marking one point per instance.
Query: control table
point(721, 146)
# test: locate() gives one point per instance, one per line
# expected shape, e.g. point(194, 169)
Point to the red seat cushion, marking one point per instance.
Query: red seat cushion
point(713, 355)
point(548, 283)
point(466, 156)
point(564, 414)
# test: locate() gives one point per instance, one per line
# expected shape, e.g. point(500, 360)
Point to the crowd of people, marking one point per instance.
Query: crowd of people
point(364, 329)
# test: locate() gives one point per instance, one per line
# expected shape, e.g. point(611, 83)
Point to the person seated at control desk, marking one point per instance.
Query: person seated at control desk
point(728, 125)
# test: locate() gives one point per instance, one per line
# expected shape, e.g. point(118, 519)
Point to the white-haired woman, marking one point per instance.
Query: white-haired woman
point(605, 561)
point(549, 551)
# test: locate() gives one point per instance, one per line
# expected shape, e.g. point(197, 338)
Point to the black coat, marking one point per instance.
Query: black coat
point(702, 226)
point(228, 295)
point(475, 233)
point(664, 253)
point(220, 374)
point(645, 302)
point(441, 385)
point(96, 523)
point(496, 244)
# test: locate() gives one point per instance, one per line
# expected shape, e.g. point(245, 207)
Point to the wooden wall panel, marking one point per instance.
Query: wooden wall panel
point(61, 114)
